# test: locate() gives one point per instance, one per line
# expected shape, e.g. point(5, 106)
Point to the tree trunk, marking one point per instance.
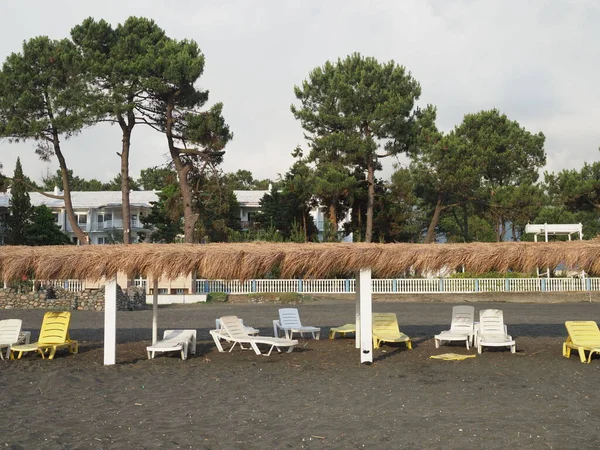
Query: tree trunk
point(126, 128)
point(466, 223)
point(370, 200)
point(189, 218)
point(83, 237)
point(430, 236)
point(332, 221)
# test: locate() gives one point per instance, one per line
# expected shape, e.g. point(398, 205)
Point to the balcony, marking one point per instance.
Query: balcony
point(115, 224)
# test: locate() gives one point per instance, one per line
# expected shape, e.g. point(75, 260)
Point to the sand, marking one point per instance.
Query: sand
point(316, 397)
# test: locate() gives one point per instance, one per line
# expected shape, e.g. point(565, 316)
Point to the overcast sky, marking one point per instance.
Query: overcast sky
point(536, 61)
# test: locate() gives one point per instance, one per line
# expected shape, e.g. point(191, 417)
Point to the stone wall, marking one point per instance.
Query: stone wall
point(61, 299)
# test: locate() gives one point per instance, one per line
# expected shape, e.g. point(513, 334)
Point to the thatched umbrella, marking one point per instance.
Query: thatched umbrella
point(250, 260)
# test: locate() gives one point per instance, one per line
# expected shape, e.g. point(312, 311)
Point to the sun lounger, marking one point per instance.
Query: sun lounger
point(492, 331)
point(183, 341)
point(343, 330)
point(461, 327)
point(583, 336)
point(250, 330)
point(54, 334)
point(233, 332)
point(289, 323)
point(385, 329)
point(9, 334)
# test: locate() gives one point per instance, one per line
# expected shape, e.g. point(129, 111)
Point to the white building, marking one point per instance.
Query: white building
point(99, 213)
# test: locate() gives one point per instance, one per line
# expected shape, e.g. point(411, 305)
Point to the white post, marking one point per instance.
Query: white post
point(365, 316)
point(110, 321)
point(154, 310)
point(357, 285)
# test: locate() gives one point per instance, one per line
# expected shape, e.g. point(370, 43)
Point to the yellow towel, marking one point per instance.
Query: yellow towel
point(451, 356)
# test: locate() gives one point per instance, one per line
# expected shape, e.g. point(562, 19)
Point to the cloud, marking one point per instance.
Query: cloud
point(535, 61)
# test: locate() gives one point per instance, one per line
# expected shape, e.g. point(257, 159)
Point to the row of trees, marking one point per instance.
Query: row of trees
point(477, 182)
point(129, 75)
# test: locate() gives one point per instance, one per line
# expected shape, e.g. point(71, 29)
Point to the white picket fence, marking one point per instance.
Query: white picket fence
point(379, 286)
point(403, 285)
point(69, 285)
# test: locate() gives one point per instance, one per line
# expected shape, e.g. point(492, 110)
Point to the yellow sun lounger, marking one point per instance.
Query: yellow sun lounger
point(583, 335)
point(54, 334)
point(343, 330)
point(385, 329)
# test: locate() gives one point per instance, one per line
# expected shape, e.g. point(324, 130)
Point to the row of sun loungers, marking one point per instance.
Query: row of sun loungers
point(583, 336)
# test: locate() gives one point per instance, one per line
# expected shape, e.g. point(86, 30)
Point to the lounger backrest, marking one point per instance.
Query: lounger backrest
point(385, 322)
point(491, 322)
point(9, 331)
point(218, 323)
point(55, 328)
point(289, 318)
point(233, 327)
point(583, 332)
point(463, 317)
point(178, 335)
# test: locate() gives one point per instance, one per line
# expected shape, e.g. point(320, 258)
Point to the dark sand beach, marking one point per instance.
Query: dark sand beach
point(318, 396)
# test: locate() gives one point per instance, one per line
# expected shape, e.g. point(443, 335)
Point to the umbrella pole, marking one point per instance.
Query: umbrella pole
point(154, 310)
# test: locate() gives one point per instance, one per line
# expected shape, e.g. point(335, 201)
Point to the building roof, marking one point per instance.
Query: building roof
point(250, 198)
point(100, 199)
point(96, 199)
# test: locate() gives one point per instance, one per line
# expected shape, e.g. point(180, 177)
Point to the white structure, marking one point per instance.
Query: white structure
point(249, 205)
point(561, 229)
point(99, 213)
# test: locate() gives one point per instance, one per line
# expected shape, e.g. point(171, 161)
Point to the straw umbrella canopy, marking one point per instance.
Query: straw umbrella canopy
point(252, 260)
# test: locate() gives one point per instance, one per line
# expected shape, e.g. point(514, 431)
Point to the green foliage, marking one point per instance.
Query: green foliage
point(351, 109)
point(165, 216)
point(219, 206)
point(42, 230)
point(217, 297)
point(281, 211)
point(20, 209)
point(244, 181)
point(157, 178)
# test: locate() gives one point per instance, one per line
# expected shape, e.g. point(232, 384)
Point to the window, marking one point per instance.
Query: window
point(163, 291)
point(56, 216)
point(102, 240)
point(82, 219)
point(133, 217)
point(75, 240)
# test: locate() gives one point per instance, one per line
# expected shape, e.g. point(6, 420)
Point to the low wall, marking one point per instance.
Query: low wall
point(180, 299)
point(64, 300)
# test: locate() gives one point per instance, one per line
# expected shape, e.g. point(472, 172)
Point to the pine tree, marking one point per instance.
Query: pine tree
point(20, 206)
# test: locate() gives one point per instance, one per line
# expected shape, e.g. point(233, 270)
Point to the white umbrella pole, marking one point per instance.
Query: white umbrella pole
point(154, 310)
point(365, 316)
point(110, 321)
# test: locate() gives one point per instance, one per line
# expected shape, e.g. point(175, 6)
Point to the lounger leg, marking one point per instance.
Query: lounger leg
point(52, 352)
point(566, 351)
point(437, 343)
point(193, 345)
point(582, 355)
point(467, 343)
point(318, 335)
point(217, 342)
point(256, 349)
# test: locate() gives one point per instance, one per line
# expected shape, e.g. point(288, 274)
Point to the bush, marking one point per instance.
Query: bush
point(217, 297)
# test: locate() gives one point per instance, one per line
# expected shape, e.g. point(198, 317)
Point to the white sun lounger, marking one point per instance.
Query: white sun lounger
point(9, 334)
point(233, 332)
point(461, 327)
point(289, 323)
point(492, 331)
point(250, 330)
point(175, 341)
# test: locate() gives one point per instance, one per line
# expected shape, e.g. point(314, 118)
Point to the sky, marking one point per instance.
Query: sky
point(536, 61)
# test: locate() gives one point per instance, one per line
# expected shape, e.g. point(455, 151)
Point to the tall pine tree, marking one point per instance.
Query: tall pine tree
point(20, 208)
